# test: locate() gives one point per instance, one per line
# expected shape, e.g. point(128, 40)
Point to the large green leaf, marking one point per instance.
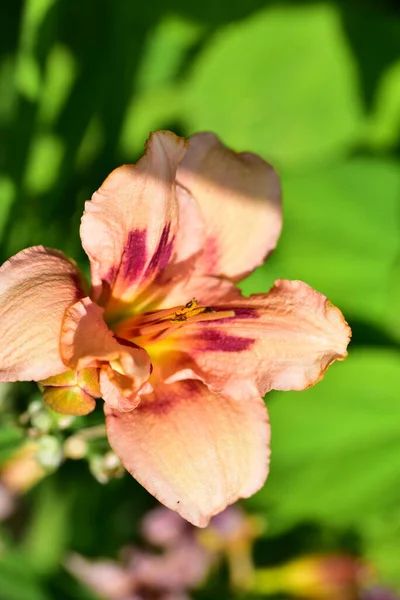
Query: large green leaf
point(336, 449)
point(48, 533)
point(156, 98)
point(384, 123)
point(18, 580)
point(281, 83)
point(341, 235)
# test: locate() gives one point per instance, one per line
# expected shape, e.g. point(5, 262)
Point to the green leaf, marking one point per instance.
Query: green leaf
point(7, 196)
point(282, 83)
point(341, 235)
point(10, 439)
point(156, 99)
point(383, 128)
point(382, 547)
point(48, 533)
point(165, 51)
point(17, 580)
point(336, 448)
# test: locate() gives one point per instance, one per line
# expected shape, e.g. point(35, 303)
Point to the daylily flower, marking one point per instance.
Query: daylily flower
point(180, 358)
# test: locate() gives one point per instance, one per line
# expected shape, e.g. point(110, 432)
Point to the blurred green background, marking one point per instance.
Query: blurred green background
point(314, 87)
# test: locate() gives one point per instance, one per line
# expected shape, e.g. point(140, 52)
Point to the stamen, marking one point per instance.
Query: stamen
point(191, 309)
point(160, 324)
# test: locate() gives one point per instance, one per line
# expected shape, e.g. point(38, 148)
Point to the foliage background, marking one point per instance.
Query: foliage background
point(314, 87)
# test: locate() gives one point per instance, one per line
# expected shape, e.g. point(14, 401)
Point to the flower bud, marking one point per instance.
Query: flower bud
point(20, 472)
point(323, 577)
point(49, 453)
point(72, 392)
point(106, 467)
point(75, 447)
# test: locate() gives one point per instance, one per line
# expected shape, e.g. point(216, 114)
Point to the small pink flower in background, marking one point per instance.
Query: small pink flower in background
point(7, 502)
point(180, 358)
point(379, 593)
point(184, 563)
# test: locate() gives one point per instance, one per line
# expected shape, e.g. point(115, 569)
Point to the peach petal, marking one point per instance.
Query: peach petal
point(71, 400)
point(116, 390)
point(170, 287)
point(194, 450)
point(208, 291)
point(86, 341)
point(128, 227)
point(37, 285)
point(283, 340)
point(239, 196)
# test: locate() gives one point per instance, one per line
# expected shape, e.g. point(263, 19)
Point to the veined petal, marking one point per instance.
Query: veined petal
point(194, 450)
point(283, 340)
point(171, 286)
point(86, 341)
point(37, 285)
point(239, 196)
point(129, 225)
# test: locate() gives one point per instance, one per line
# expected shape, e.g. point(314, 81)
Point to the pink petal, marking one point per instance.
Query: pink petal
point(86, 341)
point(164, 527)
point(37, 285)
point(129, 226)
point(284, 340)
point(194, 450)
point(182, 566)
point(104, 577)
point(239, 196)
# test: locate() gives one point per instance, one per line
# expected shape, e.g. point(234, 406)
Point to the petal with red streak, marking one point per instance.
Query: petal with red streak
point(37, 285)
point(239, 196)
point(86, 341)
point(284, 340)
point(129, 226)
point(194, 450)
point(170, 287)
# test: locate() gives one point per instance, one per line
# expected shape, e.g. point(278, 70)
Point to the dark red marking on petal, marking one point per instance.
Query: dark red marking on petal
point(159, 406)
point(125, 342)
point(215, 340)
point(134, 255)
point(109, 278)
point(245, 312)
point(162, 254)
point(164, 401)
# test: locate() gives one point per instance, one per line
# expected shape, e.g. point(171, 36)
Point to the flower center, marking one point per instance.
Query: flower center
point(154, 326)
